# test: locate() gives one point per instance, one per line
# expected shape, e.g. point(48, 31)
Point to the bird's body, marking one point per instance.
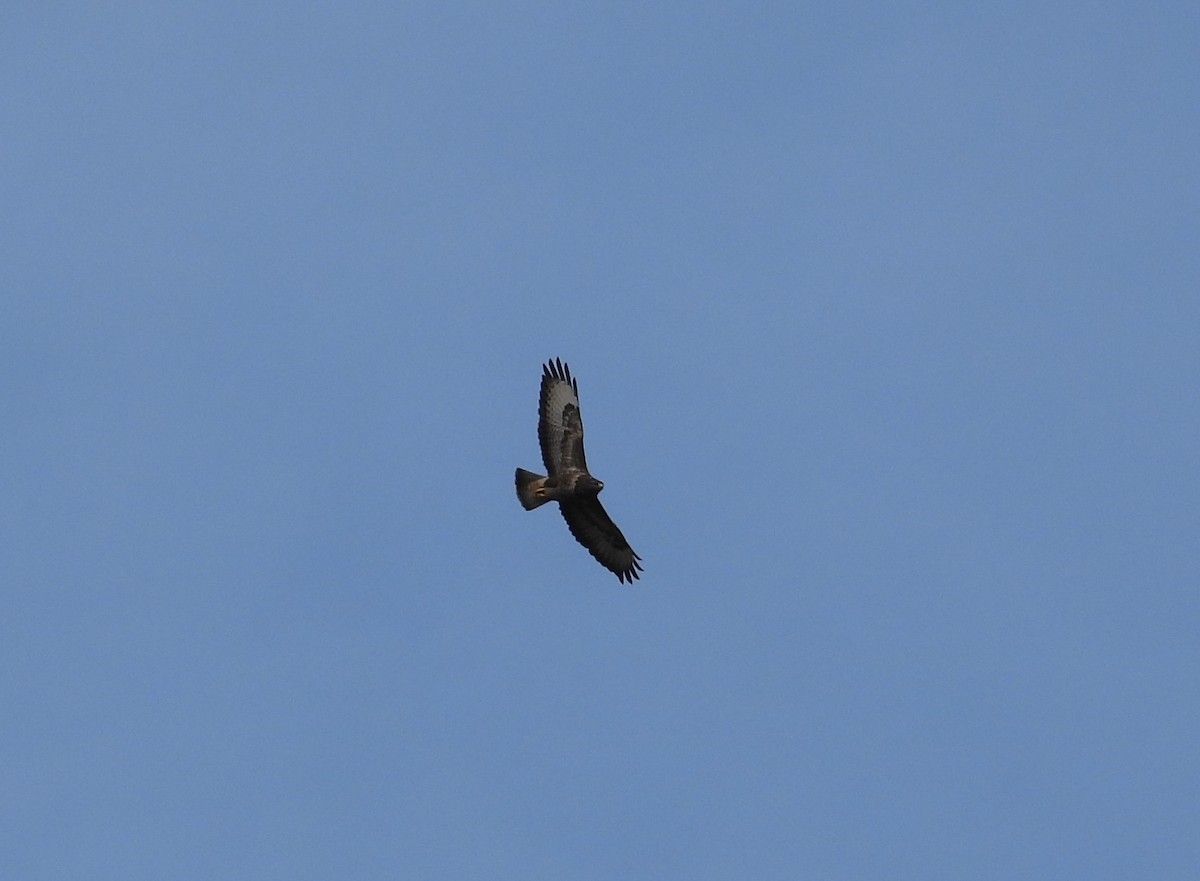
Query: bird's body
point(534, 490)
point(560, 435)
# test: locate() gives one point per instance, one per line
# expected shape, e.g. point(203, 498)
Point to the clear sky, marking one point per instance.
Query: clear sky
point(885, 319)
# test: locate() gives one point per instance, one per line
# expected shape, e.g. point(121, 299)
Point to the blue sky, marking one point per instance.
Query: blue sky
point(885, 323)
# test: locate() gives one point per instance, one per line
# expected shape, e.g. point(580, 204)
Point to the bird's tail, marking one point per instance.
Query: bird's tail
point(527, 487)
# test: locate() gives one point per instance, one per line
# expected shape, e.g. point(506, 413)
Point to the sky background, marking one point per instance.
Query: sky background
point(885, 322)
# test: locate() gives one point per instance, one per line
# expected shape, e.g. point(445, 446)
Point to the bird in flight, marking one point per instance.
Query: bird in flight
point(560, 435)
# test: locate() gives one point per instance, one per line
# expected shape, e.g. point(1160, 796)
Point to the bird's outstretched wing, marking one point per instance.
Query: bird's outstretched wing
point(594, 529)
point(560, 426)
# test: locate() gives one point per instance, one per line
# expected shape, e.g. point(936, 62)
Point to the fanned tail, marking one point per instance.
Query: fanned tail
point(528, 484)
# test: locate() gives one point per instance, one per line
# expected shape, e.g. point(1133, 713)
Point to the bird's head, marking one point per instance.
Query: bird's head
point(591, 484)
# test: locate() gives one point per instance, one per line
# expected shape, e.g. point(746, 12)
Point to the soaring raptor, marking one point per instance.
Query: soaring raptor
point(560, 434)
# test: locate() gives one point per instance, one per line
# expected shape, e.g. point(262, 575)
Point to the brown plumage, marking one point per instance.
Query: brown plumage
point(560, 435)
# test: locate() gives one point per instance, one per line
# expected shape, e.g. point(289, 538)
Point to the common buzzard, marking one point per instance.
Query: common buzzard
point(560, 434)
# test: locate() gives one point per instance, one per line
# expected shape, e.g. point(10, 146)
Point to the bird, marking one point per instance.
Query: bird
point(560, 435)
